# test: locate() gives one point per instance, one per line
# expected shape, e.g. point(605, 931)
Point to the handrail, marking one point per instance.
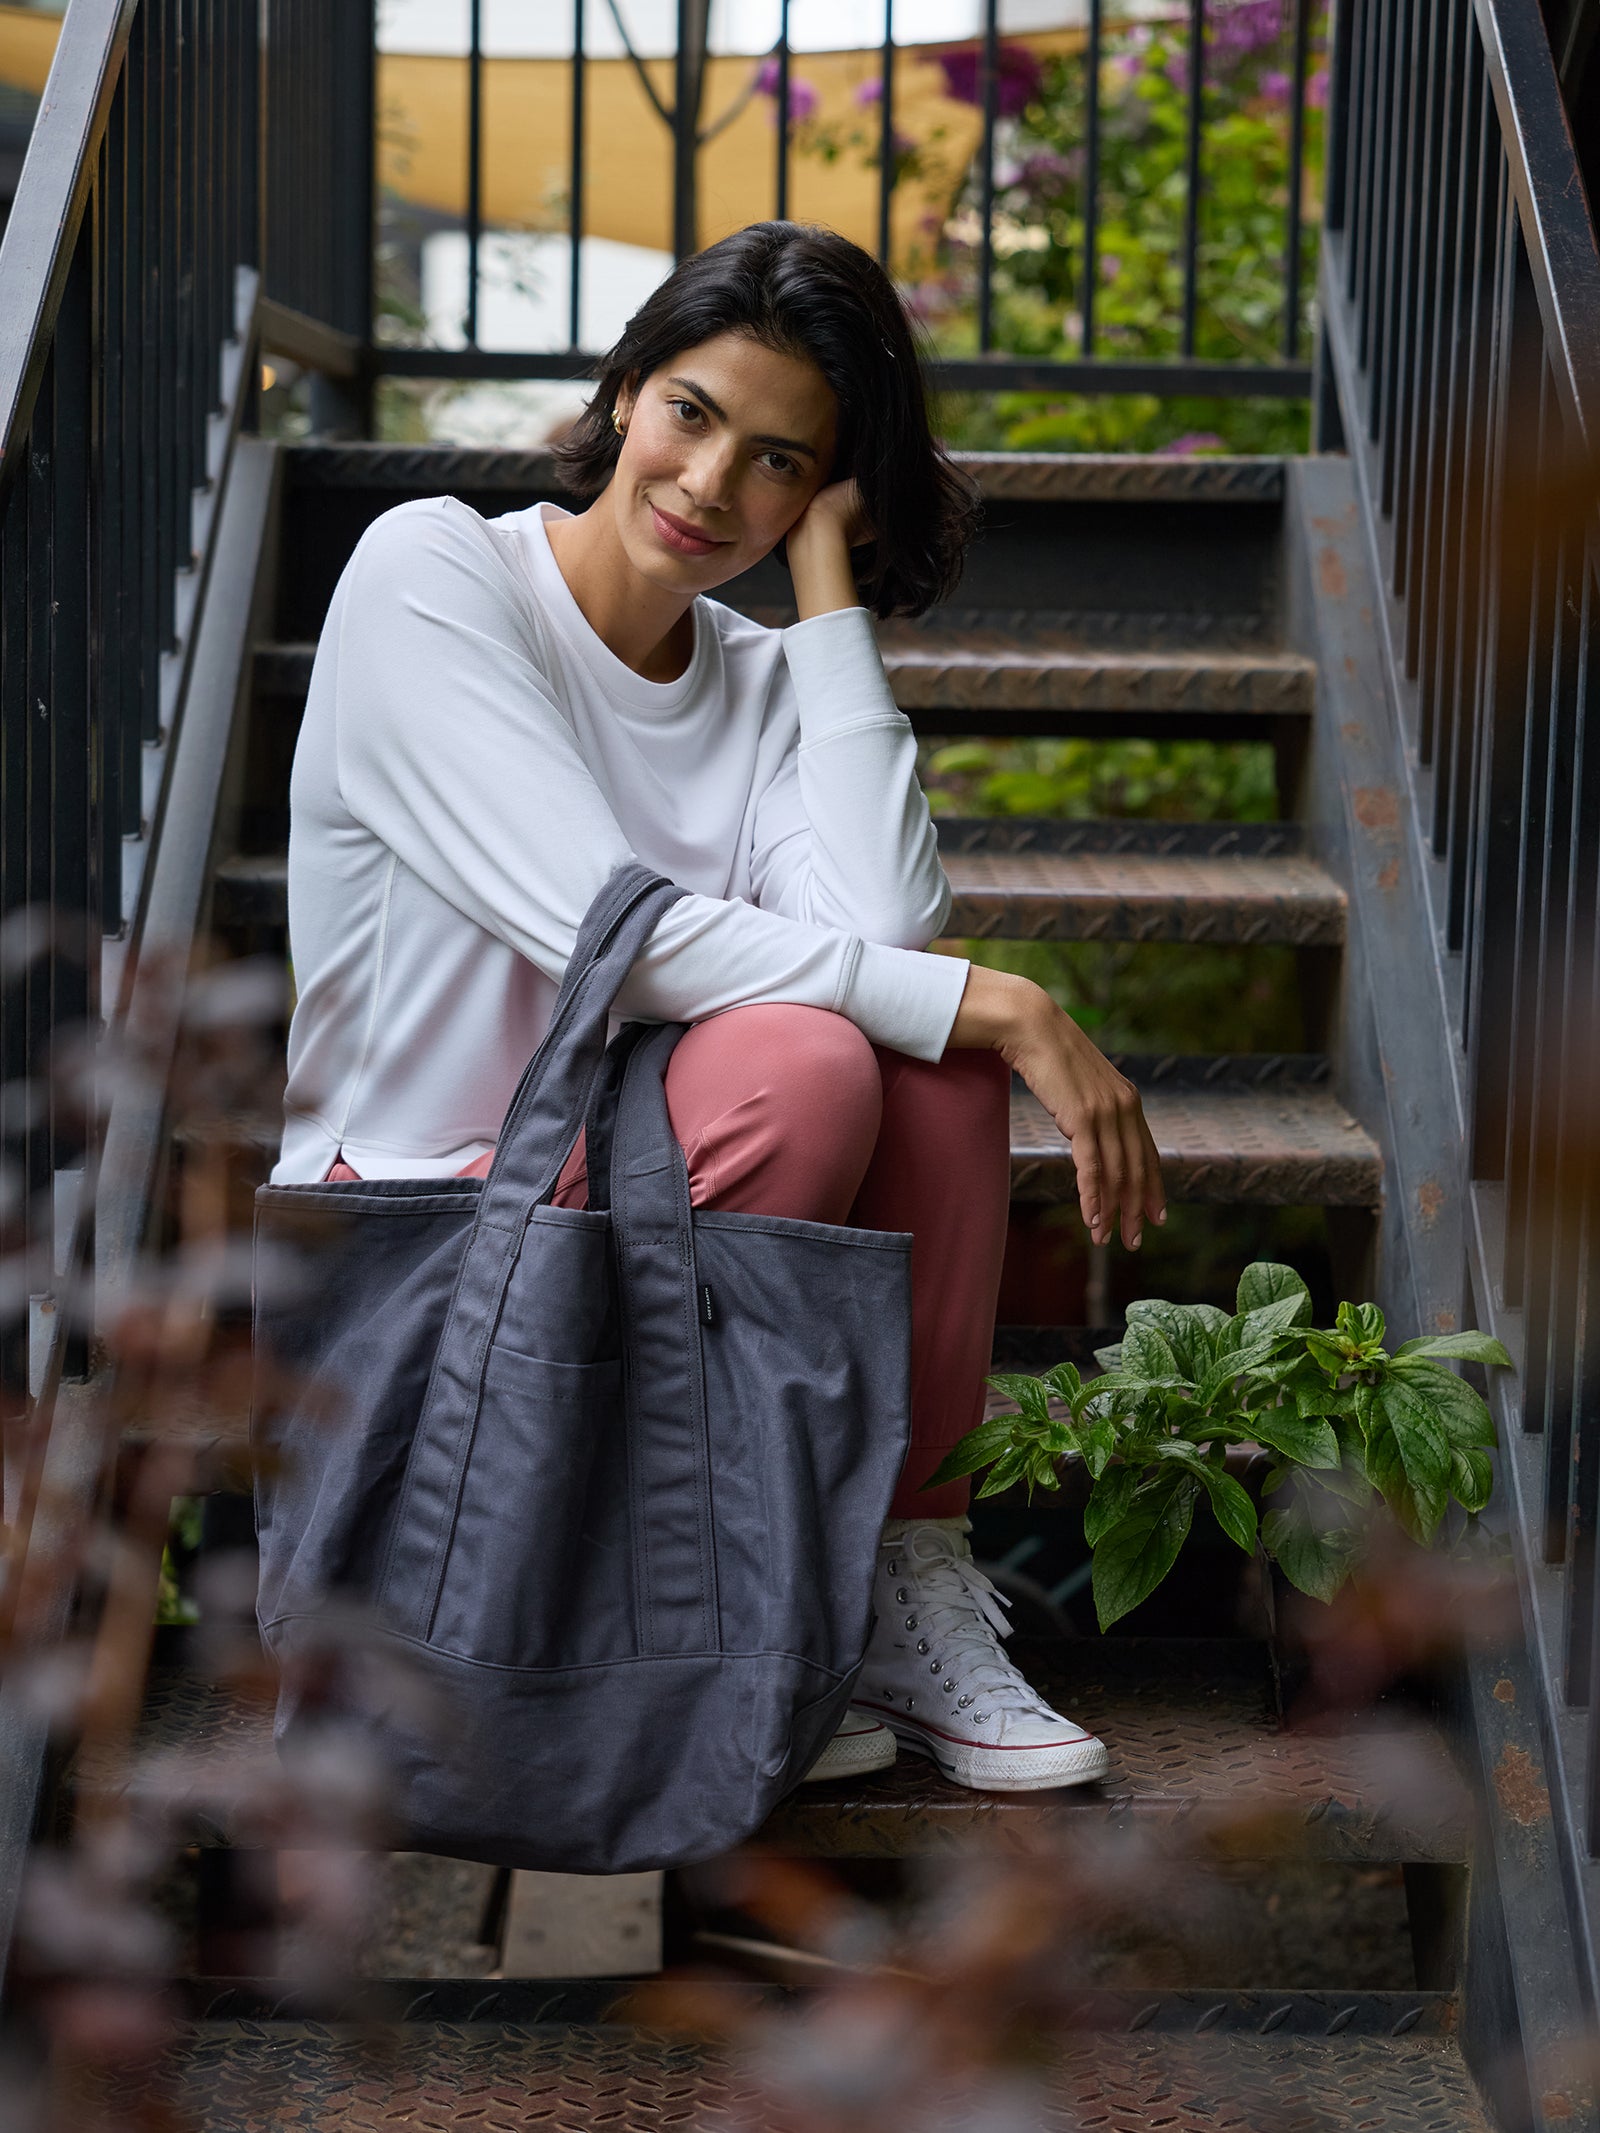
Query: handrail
point(54, 189)
point(1543, 158)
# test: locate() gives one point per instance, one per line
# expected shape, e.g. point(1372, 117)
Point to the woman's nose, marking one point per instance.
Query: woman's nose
point(708, 477)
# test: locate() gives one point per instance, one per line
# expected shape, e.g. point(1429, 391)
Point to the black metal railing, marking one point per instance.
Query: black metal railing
point(1462, 288)
point(1100, 364)
point(128, 322)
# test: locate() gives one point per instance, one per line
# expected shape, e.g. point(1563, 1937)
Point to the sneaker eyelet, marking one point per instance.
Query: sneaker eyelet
point(948, 1686)
point(962, 1703)
point(911, 1703)
point(922, 1646)
point(894, 1570)
point(934, 1665)
point(902, 1596)
point(911, 1621)
point(980, 1718)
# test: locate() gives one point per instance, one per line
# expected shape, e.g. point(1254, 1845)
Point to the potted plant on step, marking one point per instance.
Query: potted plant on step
point(1345, 1426)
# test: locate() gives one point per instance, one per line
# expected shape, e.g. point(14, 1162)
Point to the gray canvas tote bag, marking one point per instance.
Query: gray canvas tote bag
point(606, 1485)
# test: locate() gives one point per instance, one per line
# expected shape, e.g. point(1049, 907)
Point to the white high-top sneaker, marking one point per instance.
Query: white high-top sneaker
point(935, 1671)
point(859, 1745)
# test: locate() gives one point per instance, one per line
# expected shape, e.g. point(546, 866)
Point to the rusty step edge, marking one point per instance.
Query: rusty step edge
point(1034, 896)
point(936, 679)
point(1266, 1139)
point(1017, 477)
point(1190, 1725)
point(533, 2002)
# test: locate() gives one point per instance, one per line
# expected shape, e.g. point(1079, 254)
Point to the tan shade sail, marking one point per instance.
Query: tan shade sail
point(628, 148)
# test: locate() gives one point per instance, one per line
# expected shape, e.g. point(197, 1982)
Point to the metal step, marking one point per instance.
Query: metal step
point(1190, 1724)
point(605, 2002)
point(1011, 477)
point(1232, 1130)
point(995, 682)
point(1228, 1130)
point(1021, 881)
point(305, 2077)
point(1038, 882)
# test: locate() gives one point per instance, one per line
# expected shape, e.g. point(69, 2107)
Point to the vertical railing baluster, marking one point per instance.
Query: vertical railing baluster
point(887, 156)
point(989, 80)
point(1300, 32)
point(1191, 198)
point(781, 113)
point(575, 185)
point(474, 166)
point(1092, 61)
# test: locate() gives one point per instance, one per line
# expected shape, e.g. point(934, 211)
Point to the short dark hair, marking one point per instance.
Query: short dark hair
point(810, 292)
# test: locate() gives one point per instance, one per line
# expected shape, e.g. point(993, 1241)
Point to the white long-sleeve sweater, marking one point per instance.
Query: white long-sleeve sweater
point(474, 762)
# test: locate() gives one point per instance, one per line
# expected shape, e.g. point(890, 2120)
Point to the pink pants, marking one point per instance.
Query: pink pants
point(790, 1111)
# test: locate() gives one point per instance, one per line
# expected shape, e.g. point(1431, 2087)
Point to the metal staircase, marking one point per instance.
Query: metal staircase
point(1195, 1723)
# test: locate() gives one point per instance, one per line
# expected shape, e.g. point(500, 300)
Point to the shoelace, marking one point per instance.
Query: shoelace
point(961, 1615)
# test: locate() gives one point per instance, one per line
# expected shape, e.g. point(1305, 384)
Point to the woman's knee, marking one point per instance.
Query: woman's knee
point(804, 1060)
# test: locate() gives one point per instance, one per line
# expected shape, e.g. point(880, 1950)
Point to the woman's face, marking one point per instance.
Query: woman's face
point(725, 445)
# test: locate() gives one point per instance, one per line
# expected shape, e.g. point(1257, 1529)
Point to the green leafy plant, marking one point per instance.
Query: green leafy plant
point(1344, 1425)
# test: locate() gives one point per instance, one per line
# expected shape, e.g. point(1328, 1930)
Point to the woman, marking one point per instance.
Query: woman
point(503, 711)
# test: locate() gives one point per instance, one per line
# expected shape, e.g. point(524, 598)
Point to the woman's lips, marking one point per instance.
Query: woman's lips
point(686, 539)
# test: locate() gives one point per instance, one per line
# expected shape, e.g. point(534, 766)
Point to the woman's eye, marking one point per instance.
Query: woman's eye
point(685, 410)
point(780, 462)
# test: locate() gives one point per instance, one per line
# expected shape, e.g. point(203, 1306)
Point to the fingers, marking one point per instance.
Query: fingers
point(1118, 1168)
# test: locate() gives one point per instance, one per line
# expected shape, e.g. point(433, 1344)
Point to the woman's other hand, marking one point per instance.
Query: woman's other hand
point(1098, 1109)
point(818, 548)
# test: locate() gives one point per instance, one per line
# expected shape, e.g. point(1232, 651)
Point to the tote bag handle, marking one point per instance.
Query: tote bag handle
point(543, 1118)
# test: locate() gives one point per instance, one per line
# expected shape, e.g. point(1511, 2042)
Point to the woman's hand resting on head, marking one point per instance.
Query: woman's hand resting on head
point(1098, 1109)
point(818, 548)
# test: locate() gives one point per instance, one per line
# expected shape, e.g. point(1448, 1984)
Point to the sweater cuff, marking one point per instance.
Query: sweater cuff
point(904, 998)
point(837, 672)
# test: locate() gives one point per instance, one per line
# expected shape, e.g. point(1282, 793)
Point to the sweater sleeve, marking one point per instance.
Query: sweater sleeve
point(451, 748)
point(843, 836)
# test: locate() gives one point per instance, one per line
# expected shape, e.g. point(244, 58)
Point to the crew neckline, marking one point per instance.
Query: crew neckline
point(570, 619)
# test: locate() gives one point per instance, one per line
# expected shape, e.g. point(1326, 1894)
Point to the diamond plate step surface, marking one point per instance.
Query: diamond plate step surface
point(1137, 896)
point(1190, 1724)
point(1012, 894)
point(303, 2077)
point(1046, 683)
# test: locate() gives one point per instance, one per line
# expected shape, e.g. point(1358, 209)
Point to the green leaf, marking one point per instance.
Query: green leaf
point(1306, 1439)
point(1234, 1363)
point(1109, 1358)
point(1135, 1555)
point(1264, 1283)
point(1148, 1354)
point(1065, 1383)
point(1471, 1477)
point(1331, 1351)
point(1424, 1447)
point(1464, 1347)
point(1316, 1563)
point(1031, 1396)
point(977, 1448)
point(1460, 1412)
point(1097, 1438)
point(1006, 1471)
point(1108, 1502)
point(1184, 1329)
point(1416, 1497)
point(1236, 1514)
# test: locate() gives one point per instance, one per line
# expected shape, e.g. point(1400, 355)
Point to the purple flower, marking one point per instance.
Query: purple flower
point(1246, 27)
point(1110, 266)
point(870, 92)
point(1019, 77)
point(1275, 85)
point(1317, 89)
point(803, 98)
point(1045, 174)
point(1128, 66)
point(1191, 442)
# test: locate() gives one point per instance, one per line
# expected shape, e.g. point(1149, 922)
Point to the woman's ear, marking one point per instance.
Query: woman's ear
point(627, 398)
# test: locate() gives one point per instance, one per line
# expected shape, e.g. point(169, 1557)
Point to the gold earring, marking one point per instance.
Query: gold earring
point(618, 424)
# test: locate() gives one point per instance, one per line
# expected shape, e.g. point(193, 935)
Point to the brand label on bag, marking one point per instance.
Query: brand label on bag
point(708, 1309)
